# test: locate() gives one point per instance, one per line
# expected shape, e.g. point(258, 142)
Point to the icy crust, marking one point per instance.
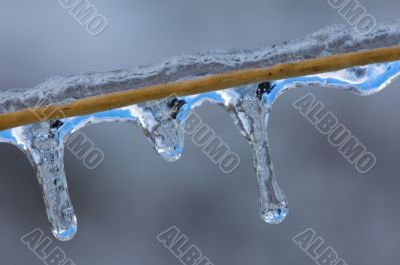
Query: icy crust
point(331, 40)
point(163, 123)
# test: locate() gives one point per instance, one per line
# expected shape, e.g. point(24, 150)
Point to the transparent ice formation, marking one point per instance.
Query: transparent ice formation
point(162, 122)
point(329, 41)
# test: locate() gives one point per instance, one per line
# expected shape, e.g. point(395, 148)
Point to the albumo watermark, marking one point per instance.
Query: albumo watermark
point(338, 135)
point(211, 144)
point(355, 14)
point(316, 248)
point(45, 249)
point(87, 15)
point(202, 135)
point(79, 143)
point(179, 245)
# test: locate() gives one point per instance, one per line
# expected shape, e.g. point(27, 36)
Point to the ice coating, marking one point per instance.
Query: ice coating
point(329, 41)
point(162, 122)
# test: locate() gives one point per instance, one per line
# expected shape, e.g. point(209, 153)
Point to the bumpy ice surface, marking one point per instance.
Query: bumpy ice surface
point(163, 122)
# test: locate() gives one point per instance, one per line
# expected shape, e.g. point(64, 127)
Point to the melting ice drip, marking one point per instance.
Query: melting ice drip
point(162, 122)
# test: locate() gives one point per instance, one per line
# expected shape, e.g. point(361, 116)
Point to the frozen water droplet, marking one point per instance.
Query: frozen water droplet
point(275, 214)
point(66, 233)
point(163, 130)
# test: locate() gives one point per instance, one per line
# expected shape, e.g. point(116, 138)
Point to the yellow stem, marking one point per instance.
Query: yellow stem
point(200, 85)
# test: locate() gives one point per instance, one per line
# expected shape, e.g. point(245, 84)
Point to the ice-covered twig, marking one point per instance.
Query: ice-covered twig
point(164, 121)
point(329, 41)
point(198, 85)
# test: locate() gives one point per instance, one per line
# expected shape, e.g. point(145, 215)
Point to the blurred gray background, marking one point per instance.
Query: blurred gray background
point(134, 194)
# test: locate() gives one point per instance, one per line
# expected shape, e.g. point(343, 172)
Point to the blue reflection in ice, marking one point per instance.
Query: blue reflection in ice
point(162, 122)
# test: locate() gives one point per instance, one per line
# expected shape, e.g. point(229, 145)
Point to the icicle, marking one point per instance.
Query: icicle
point(162, 123)
point(252, 119)
point(45, 151)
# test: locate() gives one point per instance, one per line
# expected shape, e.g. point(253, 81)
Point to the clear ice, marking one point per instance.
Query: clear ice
point(331, 40)
point(162, 122)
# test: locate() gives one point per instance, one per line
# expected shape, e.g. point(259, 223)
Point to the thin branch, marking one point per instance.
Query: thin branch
point(200, 85)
